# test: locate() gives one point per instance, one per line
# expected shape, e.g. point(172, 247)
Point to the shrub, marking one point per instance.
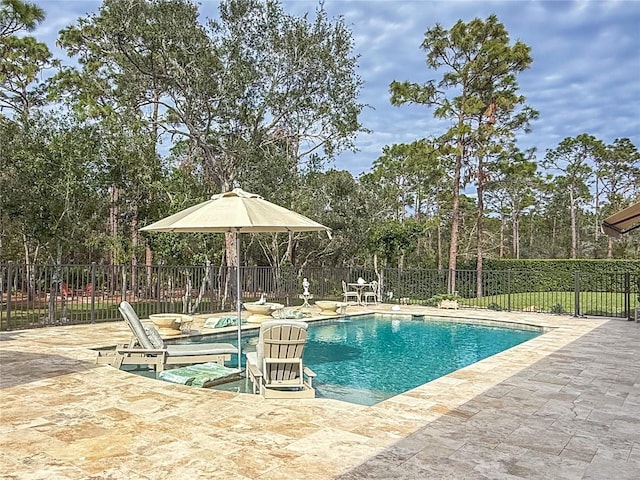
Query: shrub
point(436, 299)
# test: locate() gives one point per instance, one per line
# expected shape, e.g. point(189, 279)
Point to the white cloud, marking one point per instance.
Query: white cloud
point(584, 78)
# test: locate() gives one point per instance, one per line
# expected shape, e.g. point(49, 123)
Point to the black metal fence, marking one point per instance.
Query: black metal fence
point(41, 295)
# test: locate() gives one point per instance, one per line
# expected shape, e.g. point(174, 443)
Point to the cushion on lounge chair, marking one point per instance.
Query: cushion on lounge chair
point(291, 313)
point(202, 375)
point(226, 321)
point(252, 357)
point(177, 375)
point(201, 349)
point(154, 336)
point(136, 326)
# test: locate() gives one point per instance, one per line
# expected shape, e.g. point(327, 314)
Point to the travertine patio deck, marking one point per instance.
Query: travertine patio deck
point(563, 405)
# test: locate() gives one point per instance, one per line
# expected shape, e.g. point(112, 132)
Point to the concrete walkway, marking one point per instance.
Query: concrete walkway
point(563, 405)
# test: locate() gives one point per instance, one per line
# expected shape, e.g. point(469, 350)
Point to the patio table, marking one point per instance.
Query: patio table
point(359, 288)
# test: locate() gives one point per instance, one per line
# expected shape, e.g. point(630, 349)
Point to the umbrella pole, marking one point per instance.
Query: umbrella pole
point(239, 300)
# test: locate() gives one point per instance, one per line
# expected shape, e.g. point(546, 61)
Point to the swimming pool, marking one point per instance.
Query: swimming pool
point(367, 359)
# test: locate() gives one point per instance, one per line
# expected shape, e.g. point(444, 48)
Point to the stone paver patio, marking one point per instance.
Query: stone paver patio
point(564, 405)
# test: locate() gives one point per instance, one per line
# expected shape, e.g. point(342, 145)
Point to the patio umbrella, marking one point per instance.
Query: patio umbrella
point(236, 212)
point(622, 222)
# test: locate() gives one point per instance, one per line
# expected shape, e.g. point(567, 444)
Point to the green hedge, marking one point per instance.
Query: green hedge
point(526, 275)
point(578, 265)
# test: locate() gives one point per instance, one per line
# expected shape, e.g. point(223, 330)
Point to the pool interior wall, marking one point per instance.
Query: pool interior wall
point(365, 359)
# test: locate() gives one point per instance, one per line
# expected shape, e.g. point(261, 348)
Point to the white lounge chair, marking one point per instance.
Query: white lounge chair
point(147, 348)
point(275, 368)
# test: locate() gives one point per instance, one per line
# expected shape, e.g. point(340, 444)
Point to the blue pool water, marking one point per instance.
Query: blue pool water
point(368, 359)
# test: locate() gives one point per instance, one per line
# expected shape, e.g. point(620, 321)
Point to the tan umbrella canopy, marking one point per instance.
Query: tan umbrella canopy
point(236, 212)
point(622, 222)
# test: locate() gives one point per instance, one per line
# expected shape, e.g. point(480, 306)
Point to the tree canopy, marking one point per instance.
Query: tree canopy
point(160, 108)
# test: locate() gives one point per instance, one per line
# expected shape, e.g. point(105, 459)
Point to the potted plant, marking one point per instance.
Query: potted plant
point(444, 300)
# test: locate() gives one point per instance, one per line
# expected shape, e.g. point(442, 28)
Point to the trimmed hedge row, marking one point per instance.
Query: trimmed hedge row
point(525, 275)
point(550, 265)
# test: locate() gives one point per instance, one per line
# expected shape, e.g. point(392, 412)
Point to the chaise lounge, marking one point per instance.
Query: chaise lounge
point(275, 368)
point(147, 348)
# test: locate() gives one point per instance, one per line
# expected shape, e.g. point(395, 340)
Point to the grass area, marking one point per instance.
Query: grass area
point(591, 303)
point(24, 317)
point(80, 311)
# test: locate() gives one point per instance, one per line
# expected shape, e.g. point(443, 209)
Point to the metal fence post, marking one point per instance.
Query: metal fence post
point(576, 294)
point(509, 290)
point(627, 295)
point(93, 292)
point(158, 286)
point(123, 287)
point(212, 299)
point(9, 274)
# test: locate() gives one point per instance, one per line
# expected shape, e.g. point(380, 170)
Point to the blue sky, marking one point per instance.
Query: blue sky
point(585, 76)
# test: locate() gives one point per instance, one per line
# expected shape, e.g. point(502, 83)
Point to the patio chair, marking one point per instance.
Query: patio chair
point(147, 348)
point(66, 291)
point(275, 368)
point(347, 294)
point(87, 291)
point(371, 294)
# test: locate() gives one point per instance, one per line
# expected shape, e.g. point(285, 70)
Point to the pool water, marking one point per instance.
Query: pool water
point(368, 359)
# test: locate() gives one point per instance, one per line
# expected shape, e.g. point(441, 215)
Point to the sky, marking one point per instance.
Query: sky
point(585, 75)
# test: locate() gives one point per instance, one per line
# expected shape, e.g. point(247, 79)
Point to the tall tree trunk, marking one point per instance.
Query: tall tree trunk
point(113, 222)
point(148, 254)
point(379, 277)
point(113, 232)
point(517, 236)
point(439, 240)
point(574, 227)
point(230, 240)
point(134, 248)
point(479, 228)
point(224, 184)
point(515, 233)
point(30, 259)
point(291, 249)
point(154, 117)
point(148, 261)
point(455, 218)
point(596, 230)
point(502, 228)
